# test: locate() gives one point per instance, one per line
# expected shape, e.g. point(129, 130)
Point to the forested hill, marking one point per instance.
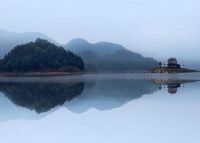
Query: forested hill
point(109, 57)
point(40, 56)
point(8, 40)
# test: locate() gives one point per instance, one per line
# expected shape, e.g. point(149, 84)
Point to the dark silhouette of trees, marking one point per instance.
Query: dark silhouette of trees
point(40, 55)
point(160, 64)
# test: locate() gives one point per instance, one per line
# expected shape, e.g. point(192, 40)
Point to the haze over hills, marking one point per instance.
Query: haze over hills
point(79, 45)
point(97, 53)
point(8, 40)
point(101, 56)
point(109, 57)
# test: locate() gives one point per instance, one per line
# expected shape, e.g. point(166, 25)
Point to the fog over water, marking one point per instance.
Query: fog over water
point(160, 29)
point(100, 108)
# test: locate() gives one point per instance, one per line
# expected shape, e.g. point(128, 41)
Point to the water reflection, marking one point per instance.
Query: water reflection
point(104, 94)
point(134, 108)
point(41, 97)
point(107, 94)
point(172, 85)
point(101, 94)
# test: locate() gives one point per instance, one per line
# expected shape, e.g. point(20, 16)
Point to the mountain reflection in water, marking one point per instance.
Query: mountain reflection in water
point(110, 93)
point(101, 94)
point(41, 97)
point(172, 85)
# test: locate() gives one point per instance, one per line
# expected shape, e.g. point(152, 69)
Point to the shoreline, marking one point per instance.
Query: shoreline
point(87, 77)
point(172, 70)
point(43, 74)
point(51, 74)
point(38, 74)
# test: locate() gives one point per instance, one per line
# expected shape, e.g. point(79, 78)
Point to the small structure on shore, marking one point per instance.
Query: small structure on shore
point(172, 66)
point(172, 63)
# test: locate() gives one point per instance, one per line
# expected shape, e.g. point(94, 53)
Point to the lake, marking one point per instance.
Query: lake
point(101, 108)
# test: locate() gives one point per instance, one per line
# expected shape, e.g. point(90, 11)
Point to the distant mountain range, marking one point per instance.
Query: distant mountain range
point(8, 40)
point(109, 57)
point(98, 57)
point(101, 48)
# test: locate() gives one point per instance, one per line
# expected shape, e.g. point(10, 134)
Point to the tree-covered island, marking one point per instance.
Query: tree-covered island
point(40, 56)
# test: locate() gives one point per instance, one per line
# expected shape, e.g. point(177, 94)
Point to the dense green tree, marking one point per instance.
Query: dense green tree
point(40, 55)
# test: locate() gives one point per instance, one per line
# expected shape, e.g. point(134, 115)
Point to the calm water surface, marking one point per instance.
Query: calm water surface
point(103, 108)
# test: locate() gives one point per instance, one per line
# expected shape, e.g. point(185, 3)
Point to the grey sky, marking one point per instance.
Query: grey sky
point(157, 28)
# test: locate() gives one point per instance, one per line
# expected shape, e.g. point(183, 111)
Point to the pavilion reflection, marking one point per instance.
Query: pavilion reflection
point(171, 85)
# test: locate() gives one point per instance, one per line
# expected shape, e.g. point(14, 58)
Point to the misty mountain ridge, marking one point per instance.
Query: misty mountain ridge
point(8, 40)
point(79, 45)
point(101, 56)
point(109, 57)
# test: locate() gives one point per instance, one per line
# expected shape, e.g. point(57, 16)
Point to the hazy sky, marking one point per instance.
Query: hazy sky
point(159, 28)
